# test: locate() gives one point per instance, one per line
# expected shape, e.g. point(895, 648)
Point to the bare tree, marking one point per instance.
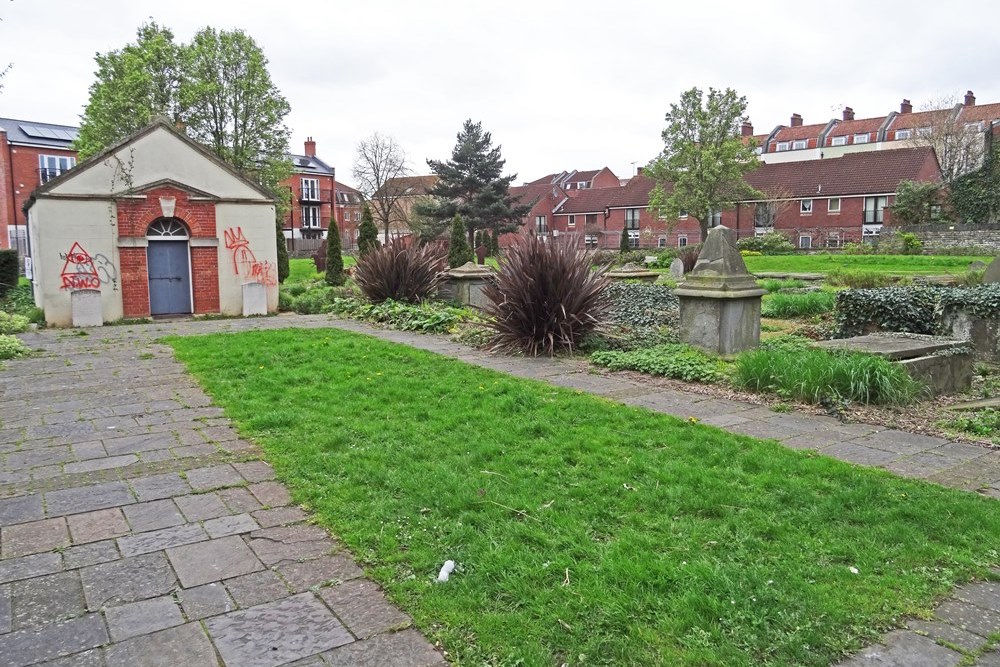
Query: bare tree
point(378, 164)
point(960, 146)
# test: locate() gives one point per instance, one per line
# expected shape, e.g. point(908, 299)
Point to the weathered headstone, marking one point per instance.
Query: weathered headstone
point(977, 266)
point(85, 304)
point(633, 271)
point(719, 299)
point(466, 284)
point(677, 268)
point(254, 299)
point(481, 253)
point(992, 274)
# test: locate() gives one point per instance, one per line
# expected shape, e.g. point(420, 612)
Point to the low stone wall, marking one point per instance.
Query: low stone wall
point(940, 236)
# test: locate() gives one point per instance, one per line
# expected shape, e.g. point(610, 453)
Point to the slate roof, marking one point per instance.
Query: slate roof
point(867, 172)
point(33, 133)
point(347, 195)
point(305, 164)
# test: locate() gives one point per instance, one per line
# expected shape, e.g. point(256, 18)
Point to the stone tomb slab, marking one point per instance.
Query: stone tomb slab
point(892, 347)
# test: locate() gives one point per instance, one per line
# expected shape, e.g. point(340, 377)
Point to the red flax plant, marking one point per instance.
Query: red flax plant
point(546, 298)
point(400, 272)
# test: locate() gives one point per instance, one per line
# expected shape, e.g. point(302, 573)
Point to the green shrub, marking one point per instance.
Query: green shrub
point(459, 251)
point(616, 258)
point(20, 300)
point(980, 301)
point(640, 304)
point(858, 278)
point(11, 347)
point(751, 253)
point(8, 271)
point(858, 249)
point(12, 324)
point(797, 305)
point(367, 232)
point(773, 284)
point(400, 272)
point(970, 278)
point(984, 422)
point(36, 315)
point(546, 298)
point(334, 268)
point(677, 360)
point(429, 316)
point(901, 309)
point(771, 243)
point(817, 376)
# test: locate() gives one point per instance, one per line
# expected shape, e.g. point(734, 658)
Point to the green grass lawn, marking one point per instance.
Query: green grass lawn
point(895, 264)
point(586, 532)
point(300, 270)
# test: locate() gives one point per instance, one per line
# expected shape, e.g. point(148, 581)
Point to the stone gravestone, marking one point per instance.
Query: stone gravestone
point(992, 274)
point(254, 299)
point(85, 304)
point(977, 266)
point(719, 299)
point(467, 283)
point(677, 268)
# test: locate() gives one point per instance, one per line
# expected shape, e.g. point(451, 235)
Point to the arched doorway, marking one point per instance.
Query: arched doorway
point(168, 259)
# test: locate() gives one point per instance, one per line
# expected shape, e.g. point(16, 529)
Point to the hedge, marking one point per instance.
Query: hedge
point(8, 271)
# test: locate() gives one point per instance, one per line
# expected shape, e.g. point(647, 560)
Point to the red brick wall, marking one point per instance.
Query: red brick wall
point(820, 224)
point(326, 192)
point(21, 179)
point(605, 179)
point(6, 196)
point(134, 218)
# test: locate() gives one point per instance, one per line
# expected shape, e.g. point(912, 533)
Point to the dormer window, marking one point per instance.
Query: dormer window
point(799, 145)
point(782, 146)
point(903, 134)
point(861, 138)
point(923, 131)
point(838, 141)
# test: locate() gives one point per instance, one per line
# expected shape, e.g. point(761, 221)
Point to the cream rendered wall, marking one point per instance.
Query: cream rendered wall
point(92, 229)
point(157, 156)
point(254, 224)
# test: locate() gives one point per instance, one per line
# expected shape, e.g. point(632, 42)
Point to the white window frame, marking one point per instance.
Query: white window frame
point(571, 221)
point(633, 238)
point(310, 217)
point(805, 206)
point(310, 189)
point(682, 241)
point(781, 146)
point(830, 208)
point(924, 131)
point(903, 134)
point(590, 240)
point(683, 215)
point(357, 216)
point(861, 138)
point(632, 216)
point(715, 219)
point(805, 242)
point(661, 242)
point(799, 144)
point(833, 240)
point(541, 225)
point(838, 141)
point(54, 165)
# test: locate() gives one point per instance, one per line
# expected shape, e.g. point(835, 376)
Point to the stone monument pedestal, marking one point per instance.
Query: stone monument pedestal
point(85, 305)
point(254, 299)
point(719, 299)
point(465, 284)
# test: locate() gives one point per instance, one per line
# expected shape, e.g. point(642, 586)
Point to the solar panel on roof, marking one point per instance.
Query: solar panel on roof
point(52, 133)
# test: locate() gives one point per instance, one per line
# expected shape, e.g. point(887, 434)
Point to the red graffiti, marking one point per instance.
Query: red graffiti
point(79, 271)
point(245, 263)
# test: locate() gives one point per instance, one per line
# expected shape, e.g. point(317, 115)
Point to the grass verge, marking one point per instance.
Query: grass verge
point(586, 532)
point(894, 264)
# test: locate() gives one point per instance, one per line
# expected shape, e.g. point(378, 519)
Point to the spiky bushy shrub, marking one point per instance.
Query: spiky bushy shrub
point(400, 272)
point(546, 298)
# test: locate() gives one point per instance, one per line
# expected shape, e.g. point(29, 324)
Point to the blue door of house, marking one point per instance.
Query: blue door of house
point(169, 278)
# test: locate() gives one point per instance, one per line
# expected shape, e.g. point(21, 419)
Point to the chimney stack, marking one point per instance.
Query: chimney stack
point(796, 120)
point(905, 107)
point(848, 113)
point(970, 99)
point(310, 147)
point(747, 129)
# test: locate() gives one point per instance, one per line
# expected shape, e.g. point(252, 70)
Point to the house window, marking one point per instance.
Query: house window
point(763, 215)
point(683, 215)
point(633, 238)
point(805, 242)
point(833, 205)
point(904, 134)
point(50, 166)
point(581, 185)
point(571, 222)
point(923, 131)
point(833, 241)
point(357, 216)
point(661, 242)
point(799, 145)
point(874, 210)
point(541, 226)
point(759, 150)
point(310, 189)
point(806, 207)
point(838, 141)
point(310, 217)
point(631, 218)
point(682, 241)
point(715, 219)
point(782, 146)
point(590, 240)
point(590, 219)
point(861, 138)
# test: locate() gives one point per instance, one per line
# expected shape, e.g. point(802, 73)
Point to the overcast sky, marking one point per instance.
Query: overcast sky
point(560, 85)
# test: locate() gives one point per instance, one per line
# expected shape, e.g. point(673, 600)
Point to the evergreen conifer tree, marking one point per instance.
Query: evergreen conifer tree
point(283, 266)
point(623, 246)
point(334, 260)
point(367, 232)
point(458, 249)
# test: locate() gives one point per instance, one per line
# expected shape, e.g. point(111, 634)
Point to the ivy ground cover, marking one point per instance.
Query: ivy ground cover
point(586, 532)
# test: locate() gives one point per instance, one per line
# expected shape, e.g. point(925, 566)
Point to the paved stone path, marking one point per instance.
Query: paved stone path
point(136, 528)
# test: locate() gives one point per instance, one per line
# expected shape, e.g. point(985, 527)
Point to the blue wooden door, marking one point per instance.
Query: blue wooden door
point(169, 277)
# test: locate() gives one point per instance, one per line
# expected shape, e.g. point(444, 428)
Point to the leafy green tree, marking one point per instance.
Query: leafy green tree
point(472, 185)
point(495, 250)
point(459, 251)
point(916, 203)
point(975, 197)
point(284, 268)
point(134, 84)
point(704, 157)
point(367, 232)
point(334, 259)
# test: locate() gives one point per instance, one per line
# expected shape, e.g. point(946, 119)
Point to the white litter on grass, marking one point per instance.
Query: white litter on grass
point(853, 570)
point(446, 570)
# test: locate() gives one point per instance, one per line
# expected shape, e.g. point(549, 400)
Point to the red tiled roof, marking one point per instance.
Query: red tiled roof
point(852, 174)
point(917, 119)
point(801, 132)
point(544, 180)
point(847, 128)
point(981, 112)
point(634, 194)
point(531, 193)
point(412, 185)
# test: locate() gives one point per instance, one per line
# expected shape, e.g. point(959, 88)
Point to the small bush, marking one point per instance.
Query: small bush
point(12, 324)
point(616, 258)
point(900, 309)
point(817, 376)
point(399, 272)
point(641, 304)
point(8, 271)
point(858, 249)
point(19, 301)
point(984, 422)
point(679, 361)
point(858, 279)
point(797, 305)
point(428, 316)
point(771, 243)
point(12, 347)
point(751, 253)
point(546, 298)
point(773, 284)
